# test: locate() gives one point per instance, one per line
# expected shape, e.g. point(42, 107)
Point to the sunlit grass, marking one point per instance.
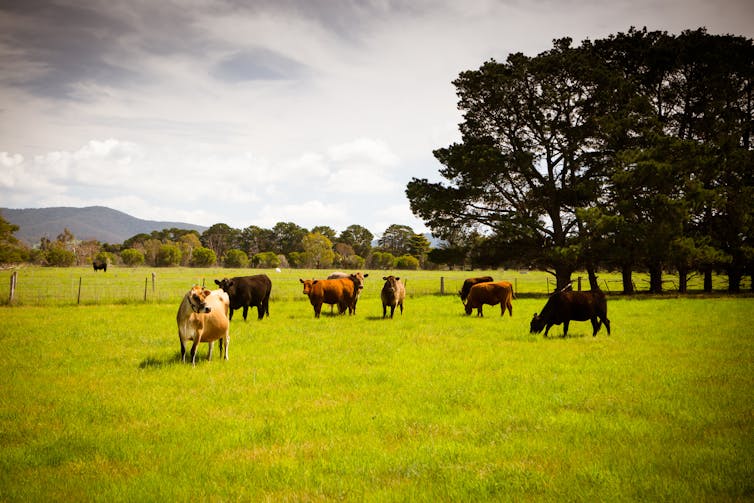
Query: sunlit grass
point(432, 405)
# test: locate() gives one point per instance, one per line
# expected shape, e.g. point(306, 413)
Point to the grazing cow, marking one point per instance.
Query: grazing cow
point(500, 292)
point(393, 294)
point(203, 317)
point(468, 283)
point(247, 291)
point(99, 265)
point(340, 274)
point(566, 306)
point(341, 291)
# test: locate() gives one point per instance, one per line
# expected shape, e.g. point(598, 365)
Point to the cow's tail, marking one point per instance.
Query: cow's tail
point(266, 302)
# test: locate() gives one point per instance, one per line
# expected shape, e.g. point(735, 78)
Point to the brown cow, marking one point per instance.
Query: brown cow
point(203, 317)
point(340, 274)
point(469, 282)
point(343, 292)
point(393, 294)
point(500, 292)
point(566, 306)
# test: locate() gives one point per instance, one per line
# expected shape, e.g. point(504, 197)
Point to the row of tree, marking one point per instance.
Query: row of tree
point(630, 152)
point(285, 245)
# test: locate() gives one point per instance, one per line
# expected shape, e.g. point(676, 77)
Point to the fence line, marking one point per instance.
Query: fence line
point(48, 286)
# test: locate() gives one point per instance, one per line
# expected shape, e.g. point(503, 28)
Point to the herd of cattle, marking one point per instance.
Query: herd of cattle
point(204, 315)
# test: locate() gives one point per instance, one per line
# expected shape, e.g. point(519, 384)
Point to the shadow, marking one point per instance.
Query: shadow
point(152, 362)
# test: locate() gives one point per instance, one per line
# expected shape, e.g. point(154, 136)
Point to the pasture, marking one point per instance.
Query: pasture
point(432, 405)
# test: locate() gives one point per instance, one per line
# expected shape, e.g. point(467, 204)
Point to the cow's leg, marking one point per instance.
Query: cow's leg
point(401, 304)
point(479, 312)
point(317, 309)
point(547, 328)
point(245, 311)
point(595, 326)
point(227, 342)
point(384, 311)
point(183, 350)
point(260, 311)
point(565, 327)
point(209, 353)
point(230, 314)
point(392, 310)
point(193, 349)
point(607, 324)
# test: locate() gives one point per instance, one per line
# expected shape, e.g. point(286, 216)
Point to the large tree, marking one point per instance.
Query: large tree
point(525, 163)
point(359, 238)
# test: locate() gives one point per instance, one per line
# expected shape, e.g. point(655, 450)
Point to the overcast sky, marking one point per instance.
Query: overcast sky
point(255, 112)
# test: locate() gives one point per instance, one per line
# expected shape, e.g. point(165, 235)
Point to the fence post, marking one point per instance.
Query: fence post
point(146, 283)
point(442, 285)
point(153, 278)
point(78, 299)
point(13, 279)
point(579, 283)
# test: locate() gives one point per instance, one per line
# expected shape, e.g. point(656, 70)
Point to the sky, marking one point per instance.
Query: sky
point(317, 112)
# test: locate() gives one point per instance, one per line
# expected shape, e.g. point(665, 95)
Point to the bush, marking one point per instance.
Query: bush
point(236, 258)
point(407, 262)
point(168, 255)
point(381, 260)
point(266, 260)
point(131, 257)
point(57, 256)
point(203, 257)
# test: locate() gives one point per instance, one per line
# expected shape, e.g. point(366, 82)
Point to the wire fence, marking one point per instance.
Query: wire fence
point(77, 285)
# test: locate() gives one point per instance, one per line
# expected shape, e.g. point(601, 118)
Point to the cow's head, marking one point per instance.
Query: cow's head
point(307, 285)
point(467, 307)
point(197, 299)
point(391, 283)
point(225, 284)
point(358, 281)
point(537, 324)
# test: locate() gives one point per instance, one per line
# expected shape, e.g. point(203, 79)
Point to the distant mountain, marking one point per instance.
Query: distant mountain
point(93, 222)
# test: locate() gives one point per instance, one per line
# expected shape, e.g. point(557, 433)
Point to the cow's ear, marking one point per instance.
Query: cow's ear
point(207, 292)
point(367, 274)
point(217, 283)
point(397, 278)
point(301, 280)
point(385, 278)
point(315, 282)
point(229, 283)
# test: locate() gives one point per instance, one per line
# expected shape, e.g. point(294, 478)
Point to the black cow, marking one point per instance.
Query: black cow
point(246, 291)
point(99, 265)
point(468, 283)
point(566, 306)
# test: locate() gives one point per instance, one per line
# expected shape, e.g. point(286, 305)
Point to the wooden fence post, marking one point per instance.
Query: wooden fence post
point(78, 299)
point(13, 279)
point(442, 285)
point(153, 280)
point(146, 284)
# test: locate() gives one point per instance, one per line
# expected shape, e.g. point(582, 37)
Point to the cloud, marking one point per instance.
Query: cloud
point(258, 63)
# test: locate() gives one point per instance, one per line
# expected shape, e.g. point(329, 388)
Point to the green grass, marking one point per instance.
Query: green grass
point(429, 406)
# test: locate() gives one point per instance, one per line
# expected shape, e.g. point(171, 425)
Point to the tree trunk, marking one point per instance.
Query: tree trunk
point(628, 284)
point(655, 278)
point(592, 278)
point(734, 279)
point(683, 280)
point(708, 280)
point(562, 278)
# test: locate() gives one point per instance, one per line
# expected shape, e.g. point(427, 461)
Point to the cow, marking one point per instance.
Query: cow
point(340, 274)
point(566, 306)
point(341, 291)
point(99, 265)
point(247, 291)
point(500, 292)
point(203, 317)
point(468, 283)
point(393, 294)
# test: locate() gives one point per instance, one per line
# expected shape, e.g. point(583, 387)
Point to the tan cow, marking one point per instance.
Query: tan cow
point(500, 292)
point(343, 292)
point(203, 317)
point(393, 294)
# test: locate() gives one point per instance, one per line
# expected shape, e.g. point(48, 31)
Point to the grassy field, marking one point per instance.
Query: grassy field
point(429, 406)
